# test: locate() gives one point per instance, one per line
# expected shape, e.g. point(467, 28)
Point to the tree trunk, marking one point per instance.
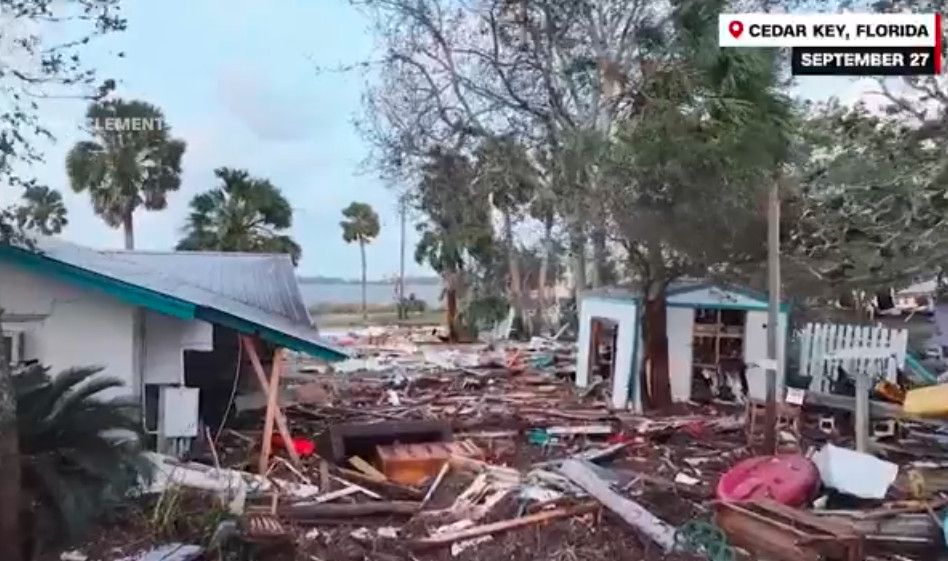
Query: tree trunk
point(578, 250)
point(658, 385)
point(542, 301)
point(128, 227)
point(601, 274)
point(365, 310)
point(11, 538)
point(402, 313)
point(516, 287)
point(451, 305)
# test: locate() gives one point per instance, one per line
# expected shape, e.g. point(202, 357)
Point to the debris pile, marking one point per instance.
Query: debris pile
point(505, 459)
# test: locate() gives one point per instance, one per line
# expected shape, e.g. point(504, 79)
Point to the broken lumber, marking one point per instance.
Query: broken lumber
point(633, 513)
point(304, 511)
point(367, 469)
point(504, 525)
point(389, 489)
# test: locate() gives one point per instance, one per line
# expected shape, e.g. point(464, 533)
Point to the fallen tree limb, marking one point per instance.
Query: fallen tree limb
point(504, 525)
point(306, 511)
point(633, 513)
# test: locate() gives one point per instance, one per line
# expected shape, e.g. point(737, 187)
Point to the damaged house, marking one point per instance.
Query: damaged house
point(177, 327)
point(716, 333)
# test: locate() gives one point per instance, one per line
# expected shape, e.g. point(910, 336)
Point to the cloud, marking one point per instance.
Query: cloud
point(272, 114)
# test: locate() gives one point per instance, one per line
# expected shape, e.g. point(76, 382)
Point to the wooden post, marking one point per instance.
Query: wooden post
point(278, 416)
point(773, 316)
point(270, 418)
point(862, 412)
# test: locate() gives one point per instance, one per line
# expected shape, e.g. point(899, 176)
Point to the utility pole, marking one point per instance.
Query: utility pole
point(401, 265)
point(773, 314)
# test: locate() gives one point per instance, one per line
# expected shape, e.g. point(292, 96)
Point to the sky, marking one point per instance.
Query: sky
point(238, 81)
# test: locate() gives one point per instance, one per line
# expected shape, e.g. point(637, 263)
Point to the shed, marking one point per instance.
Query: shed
point(707, 323)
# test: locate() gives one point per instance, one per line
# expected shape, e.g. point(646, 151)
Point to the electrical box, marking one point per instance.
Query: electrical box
point(178, 412)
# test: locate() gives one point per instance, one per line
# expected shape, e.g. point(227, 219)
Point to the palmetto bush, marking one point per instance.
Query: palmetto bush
point(81, 454)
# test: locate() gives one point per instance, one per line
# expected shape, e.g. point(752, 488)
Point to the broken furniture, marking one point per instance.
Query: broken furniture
point(344, 440)
point(774, 531)
point(413, 464)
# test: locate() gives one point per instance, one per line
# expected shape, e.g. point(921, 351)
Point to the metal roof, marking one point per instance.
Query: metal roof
point(255, 294)
point(264, 281)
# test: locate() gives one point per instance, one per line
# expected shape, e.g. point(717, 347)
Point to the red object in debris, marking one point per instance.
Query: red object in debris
point(303, 446)
point(789, 479)
point(694, 428)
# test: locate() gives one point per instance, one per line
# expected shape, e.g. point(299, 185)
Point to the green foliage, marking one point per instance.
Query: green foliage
point(504, 172)
point(80, 455)
point(458, 226)
point(42, 210)
point(690, 168)
point(37, 64)
point(243, 214)
point(871, 208)
point(361, 224)
point(125, 167)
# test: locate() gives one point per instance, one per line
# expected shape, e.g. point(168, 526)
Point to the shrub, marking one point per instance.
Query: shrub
point(80, 455)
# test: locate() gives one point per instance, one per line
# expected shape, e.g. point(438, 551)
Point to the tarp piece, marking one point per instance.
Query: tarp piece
point(855, 473)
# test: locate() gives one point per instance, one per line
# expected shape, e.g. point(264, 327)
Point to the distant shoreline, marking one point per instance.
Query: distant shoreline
point(415, 281)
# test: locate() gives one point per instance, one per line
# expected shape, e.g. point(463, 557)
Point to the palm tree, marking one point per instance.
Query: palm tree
point(361, 225)
point(42, 210)
point(79, 455)
point(243, 214)
point(131, 162)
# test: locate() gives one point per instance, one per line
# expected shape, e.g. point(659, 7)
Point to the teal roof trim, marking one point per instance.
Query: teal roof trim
point(277, 337)
point(784, 307)
point(157, 301)
point(130, 293)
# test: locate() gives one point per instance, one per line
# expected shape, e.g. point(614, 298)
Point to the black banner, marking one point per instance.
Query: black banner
point(863, 61)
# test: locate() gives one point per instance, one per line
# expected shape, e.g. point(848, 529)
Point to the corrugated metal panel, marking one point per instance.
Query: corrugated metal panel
point(264, 281)
point(261, 292)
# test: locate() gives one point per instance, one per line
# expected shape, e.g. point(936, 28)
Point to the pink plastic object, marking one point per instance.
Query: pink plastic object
point(789, 479)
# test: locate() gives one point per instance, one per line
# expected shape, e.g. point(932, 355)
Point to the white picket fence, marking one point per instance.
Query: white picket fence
point(859, 349)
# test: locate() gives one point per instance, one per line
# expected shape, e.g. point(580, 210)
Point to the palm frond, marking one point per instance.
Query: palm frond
point(80, 455)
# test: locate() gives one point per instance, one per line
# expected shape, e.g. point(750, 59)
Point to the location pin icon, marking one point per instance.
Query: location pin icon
point(736, 28)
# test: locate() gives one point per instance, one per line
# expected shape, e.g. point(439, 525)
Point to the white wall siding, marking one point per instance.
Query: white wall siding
point(72, 326)
point(166, 338)
point(625, 313)
point(755, 351)
point(680, 330)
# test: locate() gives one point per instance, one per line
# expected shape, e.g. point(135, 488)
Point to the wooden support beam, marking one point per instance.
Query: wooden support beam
point(275, 411)
point(305, 511)
point(269, 419)
point(662, 533)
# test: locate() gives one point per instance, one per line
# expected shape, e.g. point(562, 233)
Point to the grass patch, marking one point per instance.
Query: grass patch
point(389, 317)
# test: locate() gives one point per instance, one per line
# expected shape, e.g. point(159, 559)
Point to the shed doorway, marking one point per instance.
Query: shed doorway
point(718, 351)
point(604, 334)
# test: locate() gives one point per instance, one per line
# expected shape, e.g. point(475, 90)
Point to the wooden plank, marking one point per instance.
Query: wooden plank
point(819, 357)
point(435, 484)
point(270, 417)
point(806, 346)
point(862, 418)
point(367, 469)
point(251, 348)
point(305, 511)
point(633, 513)
point(389, 489)
point(333, 495)
point(324, 481)
point(505, 525)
